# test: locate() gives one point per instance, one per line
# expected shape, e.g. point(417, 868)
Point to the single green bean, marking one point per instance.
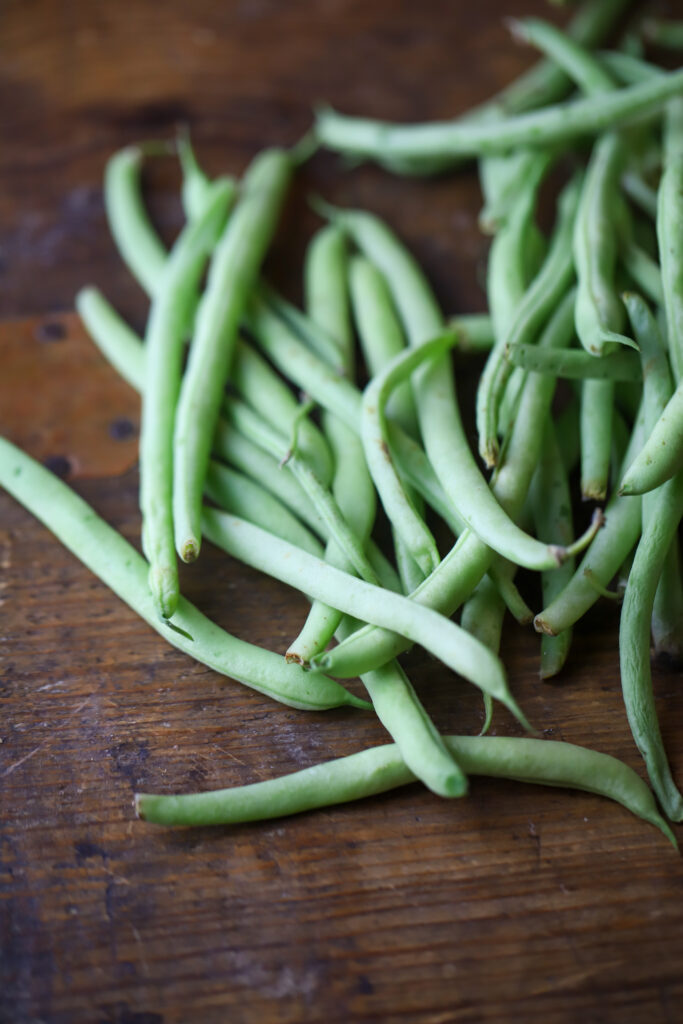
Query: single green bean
point(107, 554)
point(662, 454)
point(595, 427)
point(574, 59)
point(551, 506)
point(561, 123)
point(195, 190)
point(669, 235)
point(232, 273)
point(138, 244)
point(378, 769)
point(325, 288)
point(634, 641)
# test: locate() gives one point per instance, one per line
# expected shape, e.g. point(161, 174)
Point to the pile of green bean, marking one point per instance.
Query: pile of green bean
point(230, 451)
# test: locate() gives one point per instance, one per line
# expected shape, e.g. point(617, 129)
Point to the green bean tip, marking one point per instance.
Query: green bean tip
point(189, 550)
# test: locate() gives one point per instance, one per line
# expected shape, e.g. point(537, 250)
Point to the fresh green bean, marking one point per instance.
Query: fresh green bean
point(667, 609)
point(138, 244)
point(378, 769)
point(325, 287)
point(195, 190)
point(662, 454)
point(669, 219)
point(316, 338)
point(551, 506)
point(634, 640)
point(232, 272)
point(643, 270)
point(175, 298)
point(116, 340)
point(474, 330)
point(576, 62)
point(380, 334)
point(595, 426)
point(638, 190)
point(107, 554)
point(575, 364)
point(363, 137)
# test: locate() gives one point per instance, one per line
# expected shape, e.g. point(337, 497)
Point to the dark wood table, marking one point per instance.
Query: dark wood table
point(518, 903)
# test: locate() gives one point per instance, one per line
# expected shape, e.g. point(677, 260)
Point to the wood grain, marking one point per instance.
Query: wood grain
point(517, 903)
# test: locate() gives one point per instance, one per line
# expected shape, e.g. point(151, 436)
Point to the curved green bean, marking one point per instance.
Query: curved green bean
point(107, 554)
point(364, 137)
point(235, 264)
point(378, 769)
point(138, 244)
point(575, 364)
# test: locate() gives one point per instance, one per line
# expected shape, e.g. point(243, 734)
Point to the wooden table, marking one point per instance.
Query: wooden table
point(515, 904)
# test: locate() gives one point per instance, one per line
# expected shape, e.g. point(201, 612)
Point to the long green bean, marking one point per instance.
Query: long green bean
point(106, 553)
point(378, 769)
point(575, 364)
point(232, 272)
point(669, 219)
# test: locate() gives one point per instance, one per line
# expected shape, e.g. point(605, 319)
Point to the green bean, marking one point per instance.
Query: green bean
point(138, 244)
point(663, 33)
point(380, 335)
point(588, 116)
point(628, 69)
point(439, 416)
point(116, 340)
point(378, 769)
point(643, 270)
point(669, 219)
point(662, 454)
point(474, 330)
point(232, 272)
point(603, 558)
point(595, 425)
point(667, 609)
point(265, 391)
point(552, 511)
point(325, 287)
point(575, 364)
point(546, 290)
point(107, 554)
point(176, 296)
point(195, 191)
point(443, 638)
point(638, 190)
point(634, 641)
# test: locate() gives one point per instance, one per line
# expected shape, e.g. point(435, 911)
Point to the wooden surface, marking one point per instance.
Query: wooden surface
point(515, 904)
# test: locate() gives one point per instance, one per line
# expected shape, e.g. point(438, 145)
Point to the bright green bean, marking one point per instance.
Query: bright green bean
point(325, 288)
point(196, 186)
point(634, 641)
point(669, 235)
point(138, 244)
point(577, 63)
point(232, 273)
point(595, 426)
point(662, 454)
point(378, 769)
point(106, 553)
point(551, 506)
point(363, 137)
